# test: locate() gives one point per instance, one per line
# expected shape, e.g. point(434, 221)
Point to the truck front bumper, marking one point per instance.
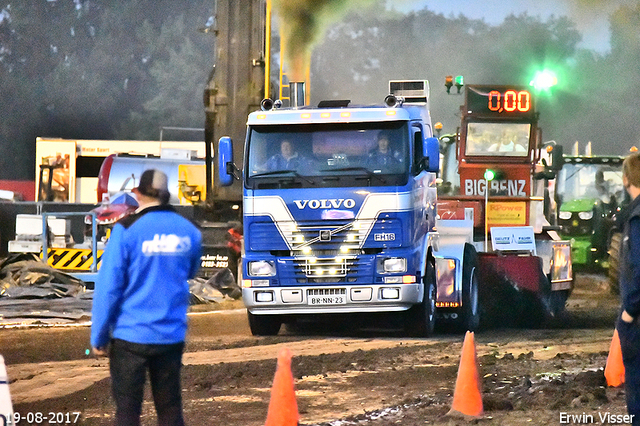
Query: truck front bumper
point(331, 299)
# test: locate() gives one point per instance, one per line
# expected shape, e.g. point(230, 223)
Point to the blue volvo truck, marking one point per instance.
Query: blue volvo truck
point(339, 214)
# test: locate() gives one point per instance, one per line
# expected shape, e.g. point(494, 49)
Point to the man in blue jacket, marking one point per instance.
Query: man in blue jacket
point(139, 314)
point(629, 322)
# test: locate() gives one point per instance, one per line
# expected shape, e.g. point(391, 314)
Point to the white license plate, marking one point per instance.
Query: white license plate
point(327, 300)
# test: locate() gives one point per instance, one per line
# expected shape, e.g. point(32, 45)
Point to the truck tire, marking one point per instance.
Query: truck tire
point(558, 302)
point(264, 325)
point(614, 264)
point(470, 314)
point(420, 320)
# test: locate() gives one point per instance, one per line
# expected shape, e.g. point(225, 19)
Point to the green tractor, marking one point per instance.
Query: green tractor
point(589, 194)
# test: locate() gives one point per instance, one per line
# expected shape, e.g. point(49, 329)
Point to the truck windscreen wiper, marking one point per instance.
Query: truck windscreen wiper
point(370, 174)
point(278, 172)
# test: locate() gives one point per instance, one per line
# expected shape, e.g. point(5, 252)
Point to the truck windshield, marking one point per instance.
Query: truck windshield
point(377, 152)
point(498, 139)
point(599, 181)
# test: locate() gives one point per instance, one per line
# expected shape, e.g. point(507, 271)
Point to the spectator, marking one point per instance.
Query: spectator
point(140, 302)
point(628, 324)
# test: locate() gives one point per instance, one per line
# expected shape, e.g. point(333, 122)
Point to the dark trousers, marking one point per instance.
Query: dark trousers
point(629, 334)
point(129, 363)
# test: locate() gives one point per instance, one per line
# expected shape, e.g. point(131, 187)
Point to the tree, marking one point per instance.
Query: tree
point(85, 69)
point(178, 81)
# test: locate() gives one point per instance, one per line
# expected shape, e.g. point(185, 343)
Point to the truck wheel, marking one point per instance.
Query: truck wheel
point(470, 288)
point(614, 254)
point(420, 319)
point(264, 325)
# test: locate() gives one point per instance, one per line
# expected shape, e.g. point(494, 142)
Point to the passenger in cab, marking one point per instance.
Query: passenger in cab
point(384, 155)
point(286, 159)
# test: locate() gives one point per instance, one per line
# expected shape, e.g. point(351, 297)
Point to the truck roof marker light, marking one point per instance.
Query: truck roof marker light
point(391, 112)
point(447, 305)
point(325, 115)
point(305, 115)
point(345, 114)
point(261, 116)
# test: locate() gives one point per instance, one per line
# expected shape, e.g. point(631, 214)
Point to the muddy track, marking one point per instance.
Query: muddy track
point(528, 376)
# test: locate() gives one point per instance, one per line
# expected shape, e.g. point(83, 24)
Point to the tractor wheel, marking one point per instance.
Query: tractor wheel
point(614, 264)
point(264, 325)
point(420, 320)
point(470, 290)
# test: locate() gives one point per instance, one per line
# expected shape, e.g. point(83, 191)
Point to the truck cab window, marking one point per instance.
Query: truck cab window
point(498, 139)
point(328, 155)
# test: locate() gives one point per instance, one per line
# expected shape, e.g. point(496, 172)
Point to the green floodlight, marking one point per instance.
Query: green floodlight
point(544, 80)
point(489, 175)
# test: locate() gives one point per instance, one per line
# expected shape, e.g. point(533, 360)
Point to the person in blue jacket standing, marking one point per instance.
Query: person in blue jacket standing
point(628, 325)
point(141, 297)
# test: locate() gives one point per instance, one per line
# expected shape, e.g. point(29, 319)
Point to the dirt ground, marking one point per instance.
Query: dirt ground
point(356, 377)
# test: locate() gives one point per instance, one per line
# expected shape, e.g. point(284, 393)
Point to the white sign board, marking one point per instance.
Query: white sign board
point(515, 238)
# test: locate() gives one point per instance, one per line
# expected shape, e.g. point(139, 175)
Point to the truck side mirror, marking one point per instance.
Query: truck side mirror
point(225, 157)
point(431, 150)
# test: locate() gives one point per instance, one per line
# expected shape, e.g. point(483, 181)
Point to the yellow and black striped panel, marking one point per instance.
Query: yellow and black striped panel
point(72, 259)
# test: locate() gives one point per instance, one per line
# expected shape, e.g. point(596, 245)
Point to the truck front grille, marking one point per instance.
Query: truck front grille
point(314, 267)
point(326, 269)
point(333, 236)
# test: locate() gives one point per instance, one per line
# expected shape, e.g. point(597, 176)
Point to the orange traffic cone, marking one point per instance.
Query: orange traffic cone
point(614, 370)
point(283, 408)
point(467, 397)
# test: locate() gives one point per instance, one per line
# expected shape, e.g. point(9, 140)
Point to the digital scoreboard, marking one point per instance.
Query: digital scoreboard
point(499, 101)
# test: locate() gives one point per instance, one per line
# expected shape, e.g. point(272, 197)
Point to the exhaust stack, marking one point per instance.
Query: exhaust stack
point(296, 94)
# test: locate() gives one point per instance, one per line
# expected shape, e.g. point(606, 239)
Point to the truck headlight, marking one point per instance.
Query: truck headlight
point(394, 265)
point(564, 215)
point(261, 268)
point(586, 215)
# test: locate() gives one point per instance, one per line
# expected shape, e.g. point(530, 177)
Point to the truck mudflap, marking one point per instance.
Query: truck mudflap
point(331, 299)
point(515, 290)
